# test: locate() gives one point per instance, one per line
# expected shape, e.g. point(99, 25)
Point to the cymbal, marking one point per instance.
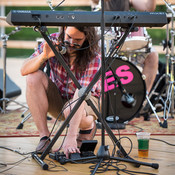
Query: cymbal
point(3, 18)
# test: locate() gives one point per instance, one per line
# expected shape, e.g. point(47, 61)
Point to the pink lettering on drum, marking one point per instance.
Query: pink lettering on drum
point(123, 73)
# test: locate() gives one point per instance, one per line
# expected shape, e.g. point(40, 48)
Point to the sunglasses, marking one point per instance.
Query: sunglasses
point(74, 44)
point(66, 43)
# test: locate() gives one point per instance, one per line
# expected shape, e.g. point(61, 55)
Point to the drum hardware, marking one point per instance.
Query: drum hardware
point(170, 61)
point(151, 105)
point(25, 116)
point(5, 100)
point(114, 98)
point(123, 107)
point(155, 101)
point(51, 6)
point(136, 56)
point(166, 95)
point(159, 100)
point(137, 40)
point(168, 102)
point(117, 95)
point(110, 37)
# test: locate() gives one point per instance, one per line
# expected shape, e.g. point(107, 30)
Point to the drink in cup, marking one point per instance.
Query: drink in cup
point(143, 144)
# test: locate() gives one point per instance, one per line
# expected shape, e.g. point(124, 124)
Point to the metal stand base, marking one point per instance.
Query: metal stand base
point(4, 99)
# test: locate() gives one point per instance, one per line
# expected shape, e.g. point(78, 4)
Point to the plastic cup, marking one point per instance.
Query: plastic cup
point(143, 144)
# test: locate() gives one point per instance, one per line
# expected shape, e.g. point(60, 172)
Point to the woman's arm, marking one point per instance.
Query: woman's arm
point(143, 5)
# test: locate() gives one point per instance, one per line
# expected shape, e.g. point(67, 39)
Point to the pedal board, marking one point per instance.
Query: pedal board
point(86, 150)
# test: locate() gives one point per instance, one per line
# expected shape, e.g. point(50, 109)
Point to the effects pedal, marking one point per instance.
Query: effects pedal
point(59, 156)
point(87, 150)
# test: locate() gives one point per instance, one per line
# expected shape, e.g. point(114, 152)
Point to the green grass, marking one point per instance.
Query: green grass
point(19, 53)
point(157, 35)
point(162, 58)
point(27, 33)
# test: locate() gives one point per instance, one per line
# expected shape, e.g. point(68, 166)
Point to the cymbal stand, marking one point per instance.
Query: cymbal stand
point(103, 152)
point(172, 61)
point(168, 89)
point(170, 58)
point(4, 100)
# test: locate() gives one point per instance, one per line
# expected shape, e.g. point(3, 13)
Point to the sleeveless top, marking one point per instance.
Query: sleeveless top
point(116, 5)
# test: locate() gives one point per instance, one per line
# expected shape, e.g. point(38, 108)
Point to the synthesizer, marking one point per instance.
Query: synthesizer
point(85, 18)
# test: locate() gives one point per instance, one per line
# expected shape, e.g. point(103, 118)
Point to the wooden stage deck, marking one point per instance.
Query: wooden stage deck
point(159, 152)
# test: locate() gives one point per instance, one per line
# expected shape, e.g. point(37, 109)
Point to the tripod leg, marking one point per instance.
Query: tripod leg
point(153, 109)
point(20, 126)
point(97, 166)
point(138, 163)
point(168, 101)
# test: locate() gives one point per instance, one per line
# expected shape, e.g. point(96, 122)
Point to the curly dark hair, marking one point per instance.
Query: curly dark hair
point(88, 50)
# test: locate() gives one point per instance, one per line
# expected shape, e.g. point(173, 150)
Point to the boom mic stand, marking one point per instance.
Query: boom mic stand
point(4, 100)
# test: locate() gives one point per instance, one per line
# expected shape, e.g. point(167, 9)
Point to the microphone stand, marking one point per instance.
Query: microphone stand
point(4, 100)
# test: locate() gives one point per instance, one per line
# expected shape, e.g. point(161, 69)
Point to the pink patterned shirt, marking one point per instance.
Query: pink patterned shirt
point(62, 80)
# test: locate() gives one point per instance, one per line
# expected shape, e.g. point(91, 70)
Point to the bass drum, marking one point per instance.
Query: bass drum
point(117, 103)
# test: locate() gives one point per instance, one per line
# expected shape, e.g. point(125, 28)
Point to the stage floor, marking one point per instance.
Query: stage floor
point(159, 152)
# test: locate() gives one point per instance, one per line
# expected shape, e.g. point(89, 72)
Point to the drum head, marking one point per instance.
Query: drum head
point(116, 103)
point(134, 43)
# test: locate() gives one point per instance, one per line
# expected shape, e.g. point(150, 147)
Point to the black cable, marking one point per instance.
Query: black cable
point(112, 109)
point(125, 137)
point(69, 105)
point(106, 166)
point(93, 42)
point(163, 141)
point(140, 129)
point(109, 166)
point(9, 149)
point(53, 167)
point(137, 172)
point(99, 38)
point(58, 5)
point(63, 140)
point(14, 164)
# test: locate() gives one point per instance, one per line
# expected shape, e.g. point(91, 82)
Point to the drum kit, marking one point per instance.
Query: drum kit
point(136, 46)
point(132, 54)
